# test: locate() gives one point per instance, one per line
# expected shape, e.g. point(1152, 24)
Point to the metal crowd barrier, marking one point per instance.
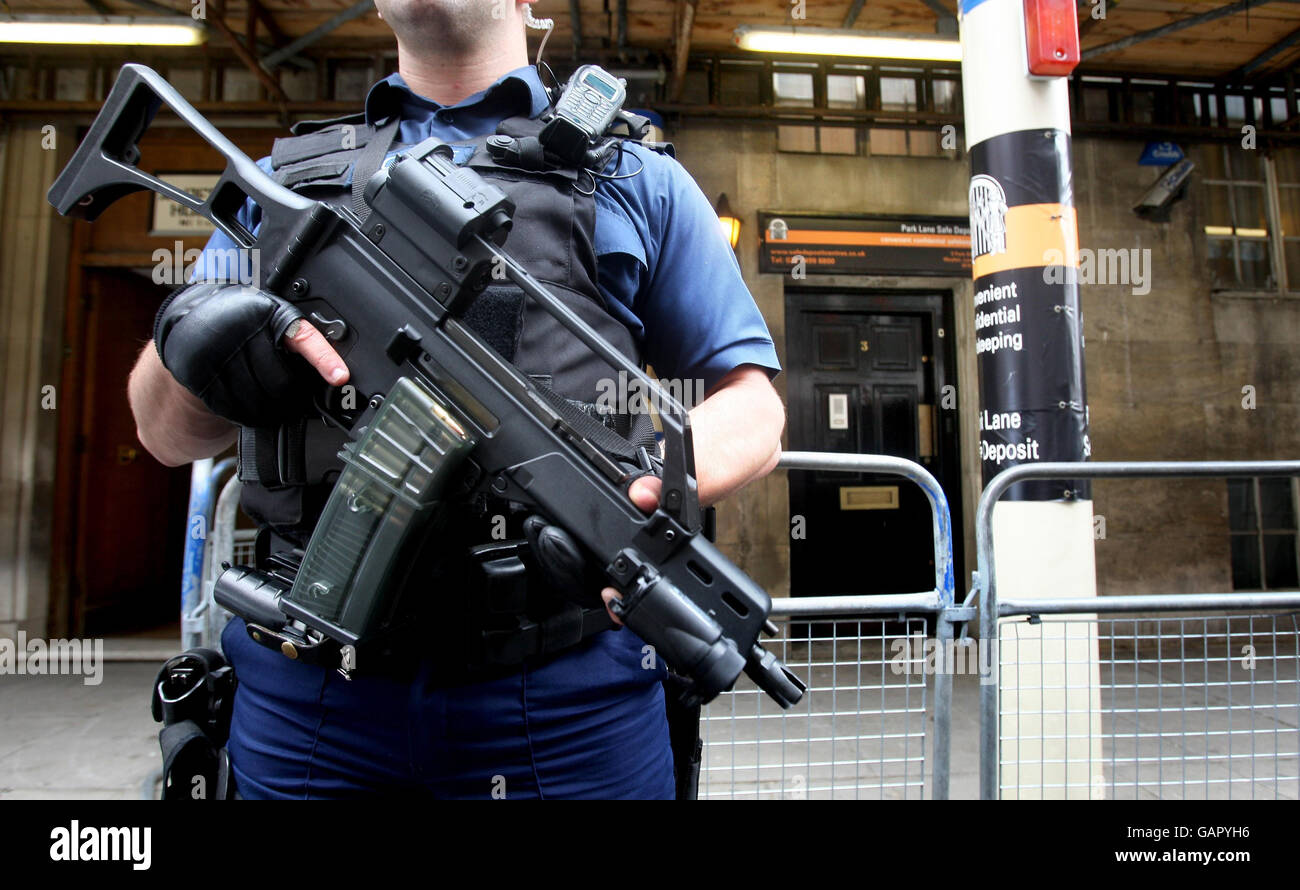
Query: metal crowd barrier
point(860, 730)
point(1120, 696)
point(201, 618)
point(1153, 705)
point(205, 479)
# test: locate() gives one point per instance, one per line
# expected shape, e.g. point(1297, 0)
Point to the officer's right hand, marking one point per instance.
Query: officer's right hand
point(644, 492)
point(248, 355)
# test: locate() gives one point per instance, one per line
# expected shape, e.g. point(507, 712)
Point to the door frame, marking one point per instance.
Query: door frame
point(862, 294)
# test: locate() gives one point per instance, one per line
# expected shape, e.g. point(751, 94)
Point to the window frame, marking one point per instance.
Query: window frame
point(1259, 533)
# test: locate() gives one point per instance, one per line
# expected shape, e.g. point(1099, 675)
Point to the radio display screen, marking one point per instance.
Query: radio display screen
point(592, 80)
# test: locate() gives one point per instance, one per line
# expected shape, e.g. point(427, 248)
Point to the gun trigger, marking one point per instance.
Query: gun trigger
point(334, 329)
point(643, 459)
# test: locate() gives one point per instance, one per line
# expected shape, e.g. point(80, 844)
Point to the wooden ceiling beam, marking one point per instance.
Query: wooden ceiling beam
point(284, 53)
point(1173, 27)
point(575, 27)
point(1263, 58)
point(272, 85)
point(272, 26)
point(685, 23)
point(1086, 20)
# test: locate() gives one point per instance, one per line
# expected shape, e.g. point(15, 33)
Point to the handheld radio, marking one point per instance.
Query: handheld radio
point(591, 101)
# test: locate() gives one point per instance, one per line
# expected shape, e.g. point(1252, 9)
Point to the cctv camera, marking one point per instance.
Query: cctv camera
point(1167, 190)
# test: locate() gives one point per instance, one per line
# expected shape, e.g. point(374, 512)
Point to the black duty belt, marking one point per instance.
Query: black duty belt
point(504, 619)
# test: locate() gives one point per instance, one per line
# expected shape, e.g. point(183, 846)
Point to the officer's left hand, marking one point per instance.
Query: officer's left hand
point(644, 492)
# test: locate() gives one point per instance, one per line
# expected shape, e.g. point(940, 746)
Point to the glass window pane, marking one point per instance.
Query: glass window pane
point(846, 91)
point(888, 142)
point(1286, 161)
point(1288, 199)
point(839, 140)
point(1144, 106)
point(71, 84)
point(1243, 164)
point(1096, 103)
point(1280, 561)
point(240, 86)
point(189, 82)
point(1276, 506)
point(1245, 562)
point(946, 98)
point(792, 88)
point(1235, 109)
point(897, 94)
point(1212, 162)
point(1218, 206)
point(1277, 107)
point(1222, 267)
point(1248, 207)
point(1252, 256)
point(1241, 505)
point(1291, 250)
point(796, 138)
point(740, 87)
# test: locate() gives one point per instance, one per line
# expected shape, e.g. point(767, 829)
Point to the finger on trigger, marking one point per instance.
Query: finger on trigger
point(609, 594)
point(303, 338)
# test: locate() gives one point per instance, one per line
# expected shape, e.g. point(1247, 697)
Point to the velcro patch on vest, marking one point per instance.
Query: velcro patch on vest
point(293, 149)
point(332, 171)
point(497, 315)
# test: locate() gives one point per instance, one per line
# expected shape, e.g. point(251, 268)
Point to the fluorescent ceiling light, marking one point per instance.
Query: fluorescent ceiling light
point(101, 30)
point(860, 44)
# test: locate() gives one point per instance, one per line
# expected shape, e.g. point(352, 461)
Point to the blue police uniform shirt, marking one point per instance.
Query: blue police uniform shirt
point(663, 264)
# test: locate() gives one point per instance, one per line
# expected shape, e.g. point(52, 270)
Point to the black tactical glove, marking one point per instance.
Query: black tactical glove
point(222, 342)
point(569, 573)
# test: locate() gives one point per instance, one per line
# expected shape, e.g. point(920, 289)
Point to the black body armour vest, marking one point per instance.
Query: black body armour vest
point(287, 472)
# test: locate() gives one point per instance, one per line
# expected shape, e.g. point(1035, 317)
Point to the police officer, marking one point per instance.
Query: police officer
point(588, 721)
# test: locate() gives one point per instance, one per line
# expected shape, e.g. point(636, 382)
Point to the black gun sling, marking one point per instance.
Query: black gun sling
point(287, 471)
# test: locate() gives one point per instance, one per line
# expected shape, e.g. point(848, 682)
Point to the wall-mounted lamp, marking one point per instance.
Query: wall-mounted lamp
point(730, 222)
point(101, 30)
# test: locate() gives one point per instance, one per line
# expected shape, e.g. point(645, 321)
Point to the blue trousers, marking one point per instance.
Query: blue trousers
point(588, 724)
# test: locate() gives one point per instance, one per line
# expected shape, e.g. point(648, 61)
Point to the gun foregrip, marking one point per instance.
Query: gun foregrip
point(681, 633)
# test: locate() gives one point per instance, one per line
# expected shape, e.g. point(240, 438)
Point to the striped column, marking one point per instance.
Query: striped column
point(1029, 350)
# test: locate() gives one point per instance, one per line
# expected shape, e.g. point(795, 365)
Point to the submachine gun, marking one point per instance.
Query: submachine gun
point(443, 417)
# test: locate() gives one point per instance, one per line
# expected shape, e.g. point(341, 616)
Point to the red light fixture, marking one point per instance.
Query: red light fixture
point(1051, 37)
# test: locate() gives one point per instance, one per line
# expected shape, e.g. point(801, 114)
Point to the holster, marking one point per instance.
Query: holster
point(193, 697)
point(684, 738)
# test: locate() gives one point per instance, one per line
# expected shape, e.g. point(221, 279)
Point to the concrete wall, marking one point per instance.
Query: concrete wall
point(1165, 369)
point(1165, 376)
point(742, 161)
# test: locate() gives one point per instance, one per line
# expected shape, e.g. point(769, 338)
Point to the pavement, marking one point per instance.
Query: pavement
point(864, 730)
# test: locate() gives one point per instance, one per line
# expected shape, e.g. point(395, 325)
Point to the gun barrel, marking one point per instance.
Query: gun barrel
point(773, 677)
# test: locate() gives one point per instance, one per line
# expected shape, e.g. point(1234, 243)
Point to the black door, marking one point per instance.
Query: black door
point(867, 375)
